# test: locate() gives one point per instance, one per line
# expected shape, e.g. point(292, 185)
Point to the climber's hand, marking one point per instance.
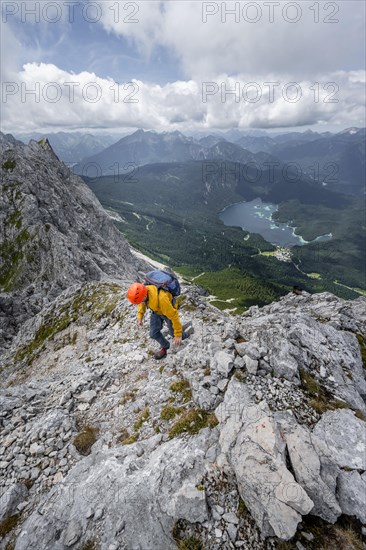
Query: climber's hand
point(177, 341)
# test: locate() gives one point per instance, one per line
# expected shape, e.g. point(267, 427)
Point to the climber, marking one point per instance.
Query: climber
point(163, 309)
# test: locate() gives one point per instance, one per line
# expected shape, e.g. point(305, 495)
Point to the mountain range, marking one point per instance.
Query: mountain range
point(336, 161)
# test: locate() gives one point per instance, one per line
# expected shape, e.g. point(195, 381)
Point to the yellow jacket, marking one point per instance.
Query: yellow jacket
point(160, 301)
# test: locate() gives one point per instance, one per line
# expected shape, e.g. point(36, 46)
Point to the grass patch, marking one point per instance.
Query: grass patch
point(311, 385)
point(143, 417)
point(360, 415)
point(344, 535)
point(362, 341)
point(321, 399)
point(190, 307)
point(12, 254)
point(9, 165)
point(240, 375)
point(130, 439)
point(168, 412)
point(84, 441)
point(242, 509)
point(182, 387)
point(89, 545)
point(190, 543)
point(92, 301)
point(322, 405)
point(127, 396)
point(8, 524)
point(192, 421)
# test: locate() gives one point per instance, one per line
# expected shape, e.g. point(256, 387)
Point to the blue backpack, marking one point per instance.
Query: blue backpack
point(164, 280)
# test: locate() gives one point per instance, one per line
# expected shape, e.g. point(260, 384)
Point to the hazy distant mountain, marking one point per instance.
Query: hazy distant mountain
point(141, 148)
point(299, 137)
point(212, 139)
point(72, 147)
point(333, 160)
point(256, 143)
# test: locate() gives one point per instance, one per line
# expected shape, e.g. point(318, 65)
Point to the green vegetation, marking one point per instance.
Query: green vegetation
point(168, 412)
point(238, 290)
point(192, 543)
point(321, 399)
point(360, 415)
point(240, 375)
point(143, 417)
point(90, 545)
point(12, 254)
point(340, 259)
point(127, 396)
point(242, 509)
point(182, 541)
point(18, 251)
point(94, 301)
point(192, 421)
point(129, 439)
point(84, 441)
point(362, 341)
point(182, 387)
point(175, 199)
point(344, 535)
point(9, 165)
point(8, 524)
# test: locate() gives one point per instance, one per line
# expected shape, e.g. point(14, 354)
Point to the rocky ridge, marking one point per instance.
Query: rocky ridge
point(250, 432)
point(53, 233)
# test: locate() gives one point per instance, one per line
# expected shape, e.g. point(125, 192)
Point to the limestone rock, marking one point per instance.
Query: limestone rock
point(87, 396)
point(341, 436)
point(254, 447)
point(351, 492)
point(11, 498)
point(223, 363)
point(307, 467)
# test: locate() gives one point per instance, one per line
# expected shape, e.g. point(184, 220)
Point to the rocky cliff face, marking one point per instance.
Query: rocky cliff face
point(53, 233)
point(253, 433)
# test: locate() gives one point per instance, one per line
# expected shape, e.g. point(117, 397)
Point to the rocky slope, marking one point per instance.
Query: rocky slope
point(251, 434)
point(53, 233)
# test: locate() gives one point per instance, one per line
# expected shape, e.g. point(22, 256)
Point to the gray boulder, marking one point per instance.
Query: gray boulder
point(10, 499)
point(252, 442)
point(351, 492)
point(341, 437)
point(306, 465)
point(223, 363)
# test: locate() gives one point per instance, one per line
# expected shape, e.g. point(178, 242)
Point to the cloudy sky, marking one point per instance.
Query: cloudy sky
point(182, 65)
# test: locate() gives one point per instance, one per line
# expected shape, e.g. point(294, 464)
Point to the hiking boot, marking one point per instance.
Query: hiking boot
point(188, 330)
point(160, 354)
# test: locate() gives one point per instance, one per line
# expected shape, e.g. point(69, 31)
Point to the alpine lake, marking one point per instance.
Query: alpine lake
point(256, 217)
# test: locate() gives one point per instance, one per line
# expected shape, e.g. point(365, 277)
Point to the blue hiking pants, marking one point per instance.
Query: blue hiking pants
point(156, 324)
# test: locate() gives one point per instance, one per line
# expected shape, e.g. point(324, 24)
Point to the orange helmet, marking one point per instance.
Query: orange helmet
point(137, 293)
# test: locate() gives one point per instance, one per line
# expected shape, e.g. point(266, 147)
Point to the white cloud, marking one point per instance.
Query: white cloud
point(43, 96)
point(322, 37)
point(231, 53)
